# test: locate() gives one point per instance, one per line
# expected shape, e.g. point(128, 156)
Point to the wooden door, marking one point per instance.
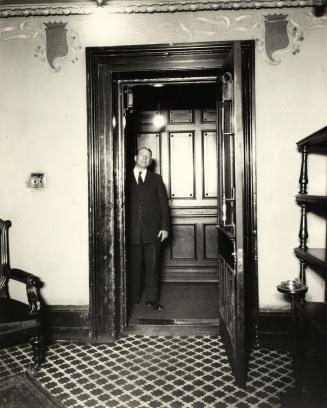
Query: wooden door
point(230, 214)
point(185, 154)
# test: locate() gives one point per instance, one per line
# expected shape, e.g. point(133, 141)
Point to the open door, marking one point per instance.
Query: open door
point(231, 213)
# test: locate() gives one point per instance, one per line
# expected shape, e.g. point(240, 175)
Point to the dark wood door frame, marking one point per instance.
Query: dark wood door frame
point(106, 172)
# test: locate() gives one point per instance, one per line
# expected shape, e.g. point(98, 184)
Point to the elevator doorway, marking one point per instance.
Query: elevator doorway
point(108, 69)
point(177, 120)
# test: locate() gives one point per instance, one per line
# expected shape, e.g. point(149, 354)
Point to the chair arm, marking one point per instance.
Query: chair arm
point(24, 277)
point(32, 282)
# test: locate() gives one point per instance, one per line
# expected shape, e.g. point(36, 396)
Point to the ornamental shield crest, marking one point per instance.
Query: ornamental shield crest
point(276, 35)
point(56, 42)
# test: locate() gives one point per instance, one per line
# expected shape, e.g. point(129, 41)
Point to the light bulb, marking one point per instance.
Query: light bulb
point(158, 120)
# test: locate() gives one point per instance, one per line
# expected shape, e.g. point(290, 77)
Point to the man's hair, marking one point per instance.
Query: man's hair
point(143, 148)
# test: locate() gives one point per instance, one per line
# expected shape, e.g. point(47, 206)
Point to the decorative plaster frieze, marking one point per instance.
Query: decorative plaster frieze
point(275, 34)
point(145, 6)
point(274, 37)
point(24, 30)
point(36, 30)
point(193, 28)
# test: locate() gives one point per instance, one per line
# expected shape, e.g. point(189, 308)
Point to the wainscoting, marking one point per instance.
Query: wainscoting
point(67, 322)
point(274, 328)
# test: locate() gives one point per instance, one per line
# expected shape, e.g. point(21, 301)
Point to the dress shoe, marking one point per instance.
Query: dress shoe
point(154, 305)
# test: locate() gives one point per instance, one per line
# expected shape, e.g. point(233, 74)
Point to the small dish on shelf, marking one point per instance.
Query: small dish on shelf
point(292, 286)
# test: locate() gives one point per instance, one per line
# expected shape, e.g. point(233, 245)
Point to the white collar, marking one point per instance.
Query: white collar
point(137, 171)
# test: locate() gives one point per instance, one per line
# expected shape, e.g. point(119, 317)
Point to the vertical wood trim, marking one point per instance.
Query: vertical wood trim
point(119, 171)
point(206, 174)
point(100, 162)
point(250, 192)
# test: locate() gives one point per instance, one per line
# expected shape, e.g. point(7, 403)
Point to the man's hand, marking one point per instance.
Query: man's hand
point(163, 234)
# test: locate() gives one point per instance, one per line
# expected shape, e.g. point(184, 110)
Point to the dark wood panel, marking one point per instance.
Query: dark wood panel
point(210, 243)
point(226, 279)
point(190, 274)
point(183, 244)
point(197, 259)
point(209, 116)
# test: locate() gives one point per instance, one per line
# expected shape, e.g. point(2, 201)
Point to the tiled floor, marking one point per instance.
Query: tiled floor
point(163, 372)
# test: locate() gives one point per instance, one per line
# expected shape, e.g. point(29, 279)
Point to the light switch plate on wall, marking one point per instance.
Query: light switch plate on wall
point(37, 180)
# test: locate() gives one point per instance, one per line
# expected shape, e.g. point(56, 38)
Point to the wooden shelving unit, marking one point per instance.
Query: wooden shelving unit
point(311, 199)
point(310, 317)
point(317, 139)
point(316, 257)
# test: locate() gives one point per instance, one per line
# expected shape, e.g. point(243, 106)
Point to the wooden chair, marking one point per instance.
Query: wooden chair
point(19, 322)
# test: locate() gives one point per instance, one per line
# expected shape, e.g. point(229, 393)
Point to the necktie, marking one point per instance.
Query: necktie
point(140, 180)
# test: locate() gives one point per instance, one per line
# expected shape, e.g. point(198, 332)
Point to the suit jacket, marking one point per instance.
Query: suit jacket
point(147, 208)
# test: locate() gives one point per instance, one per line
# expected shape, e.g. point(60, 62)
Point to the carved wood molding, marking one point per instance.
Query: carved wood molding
point(16, 9)
point(45, 11)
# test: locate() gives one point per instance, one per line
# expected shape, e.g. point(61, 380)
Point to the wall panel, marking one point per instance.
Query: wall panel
point(183, 244)
point(152, 141)
point(181, 165)
point(210, 245)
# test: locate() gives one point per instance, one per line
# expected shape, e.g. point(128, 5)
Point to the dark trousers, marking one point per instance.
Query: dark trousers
point(144, 257)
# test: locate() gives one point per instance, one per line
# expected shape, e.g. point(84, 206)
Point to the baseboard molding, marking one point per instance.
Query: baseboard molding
point(275, 328)
point(68, 322)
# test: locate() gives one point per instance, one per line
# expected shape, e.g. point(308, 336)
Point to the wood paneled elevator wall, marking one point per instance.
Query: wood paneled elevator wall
point(185, 154)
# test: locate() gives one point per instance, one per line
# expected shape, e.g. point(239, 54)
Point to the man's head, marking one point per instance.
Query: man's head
point(143, 158)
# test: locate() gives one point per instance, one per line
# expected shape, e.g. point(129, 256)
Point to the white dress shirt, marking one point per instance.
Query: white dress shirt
point(137, 172)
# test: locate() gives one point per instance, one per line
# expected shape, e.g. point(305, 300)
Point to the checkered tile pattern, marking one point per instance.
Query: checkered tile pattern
point(163, 372)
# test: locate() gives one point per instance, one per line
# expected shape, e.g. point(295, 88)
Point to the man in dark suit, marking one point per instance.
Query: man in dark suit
point(147, 227)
